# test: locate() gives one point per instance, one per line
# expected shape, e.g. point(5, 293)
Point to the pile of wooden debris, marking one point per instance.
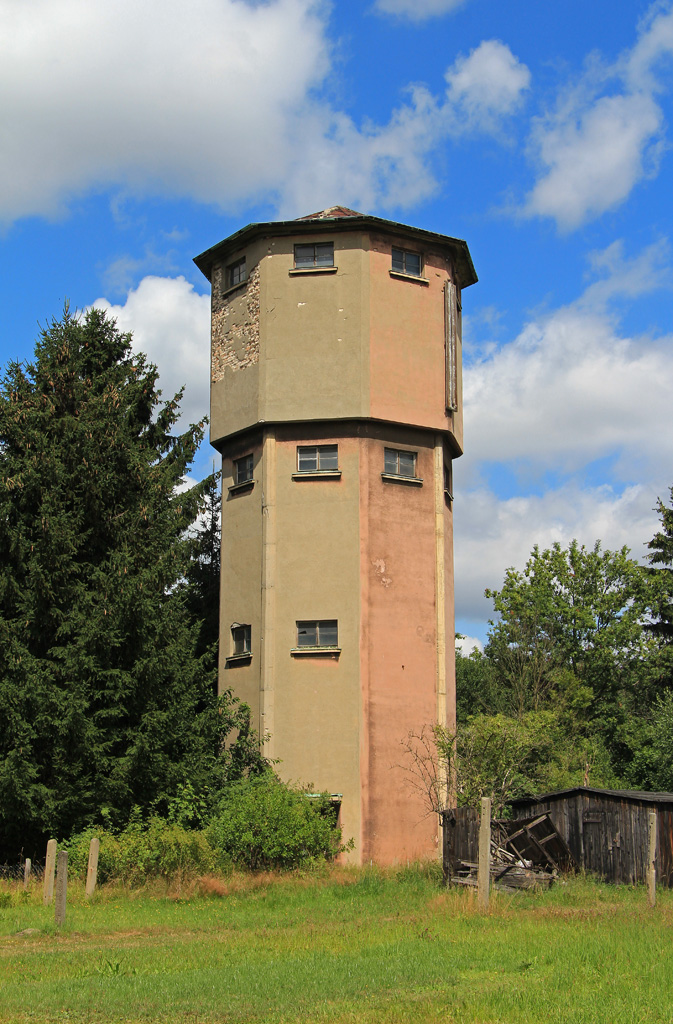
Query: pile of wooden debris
point(525, 853)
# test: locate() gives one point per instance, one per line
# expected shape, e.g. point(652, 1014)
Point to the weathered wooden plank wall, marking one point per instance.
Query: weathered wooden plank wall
point(665, 845)
point(607, 831)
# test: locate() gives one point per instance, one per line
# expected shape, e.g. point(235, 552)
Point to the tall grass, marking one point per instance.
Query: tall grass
point(336, 946)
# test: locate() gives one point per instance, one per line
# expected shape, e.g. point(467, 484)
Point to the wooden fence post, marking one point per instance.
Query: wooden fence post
point(61, 888)
point(26, 872)
point(484, 872)
point(49, 868)
point(652, 857)
point(92, 869)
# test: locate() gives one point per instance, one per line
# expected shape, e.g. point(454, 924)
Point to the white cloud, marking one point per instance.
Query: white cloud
point(467, 644)
point(417, 10)
point(655, 42)
point(170, 323)
point(217, 101)
point(487, 84)
point(594, 157)
point(119, 275)
point(366, 167)
point(491, 534)
point(602, 140)
point(571, 389)
point(159, 95)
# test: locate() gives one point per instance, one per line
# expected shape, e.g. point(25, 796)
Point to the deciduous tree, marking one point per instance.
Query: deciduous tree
point(574, 610)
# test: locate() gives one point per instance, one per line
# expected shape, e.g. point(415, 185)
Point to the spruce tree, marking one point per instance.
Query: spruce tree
point(203, 573)
point(661, 572)
point(661, 558)
point(107, 702)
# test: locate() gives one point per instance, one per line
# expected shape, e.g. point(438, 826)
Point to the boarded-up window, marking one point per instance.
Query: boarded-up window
point(451, 345)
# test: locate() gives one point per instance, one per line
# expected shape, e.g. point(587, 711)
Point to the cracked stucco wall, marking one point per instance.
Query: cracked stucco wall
point(235, 325)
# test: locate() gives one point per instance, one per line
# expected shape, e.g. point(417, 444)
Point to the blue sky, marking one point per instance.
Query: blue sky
point(135, 134)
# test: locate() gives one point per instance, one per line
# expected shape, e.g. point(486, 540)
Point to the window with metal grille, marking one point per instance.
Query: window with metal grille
point(243, 469)
point(241, 638)
point(236, 273)
point(320, 254)
point(407, 262)
point(399, 463)
point(317, 458)
point(318, 633)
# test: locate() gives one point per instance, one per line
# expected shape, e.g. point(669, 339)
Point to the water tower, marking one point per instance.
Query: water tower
point(336, 406)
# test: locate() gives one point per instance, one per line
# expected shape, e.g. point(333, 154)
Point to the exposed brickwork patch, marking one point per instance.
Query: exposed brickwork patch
point(235, 325)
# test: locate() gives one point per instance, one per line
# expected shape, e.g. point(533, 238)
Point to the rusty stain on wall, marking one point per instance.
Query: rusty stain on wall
point(235, 325)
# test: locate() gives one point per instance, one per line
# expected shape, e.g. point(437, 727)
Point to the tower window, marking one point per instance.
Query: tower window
point(243, 469)
point(448, 482)
point(241, 641)
point(321, 254)
point(318, 633)
point(407, 262)
point(236, 273)
point(318, 458)
point(399, 463)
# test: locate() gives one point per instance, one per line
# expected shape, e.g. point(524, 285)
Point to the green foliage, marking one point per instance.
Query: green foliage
point(504, 758)
point(106, 687)
point(262, 823)
point(652, 764)
point(144, 850)
point(572, 609)
point(202, 576)
point(477, 686)
point(661, 575)
point(568, 690)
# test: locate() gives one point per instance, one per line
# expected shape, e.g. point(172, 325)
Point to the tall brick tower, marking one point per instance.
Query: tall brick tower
point(336, 406)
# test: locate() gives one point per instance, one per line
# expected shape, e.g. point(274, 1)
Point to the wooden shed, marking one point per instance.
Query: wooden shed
point(607, 829)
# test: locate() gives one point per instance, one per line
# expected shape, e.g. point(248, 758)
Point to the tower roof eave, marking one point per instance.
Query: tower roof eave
point(339, 219)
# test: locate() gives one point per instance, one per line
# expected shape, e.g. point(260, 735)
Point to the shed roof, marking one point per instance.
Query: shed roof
point(640, 795)
point(339, 218)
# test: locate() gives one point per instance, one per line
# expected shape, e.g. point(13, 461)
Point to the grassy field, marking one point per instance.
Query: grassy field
point(344, 946)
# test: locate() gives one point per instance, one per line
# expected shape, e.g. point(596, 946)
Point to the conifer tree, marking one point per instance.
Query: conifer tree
point(661, 557)
point(106, 702)
point(661, 573)
point(203, 572)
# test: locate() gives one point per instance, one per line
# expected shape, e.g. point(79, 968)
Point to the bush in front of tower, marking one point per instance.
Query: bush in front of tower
point(263, 823)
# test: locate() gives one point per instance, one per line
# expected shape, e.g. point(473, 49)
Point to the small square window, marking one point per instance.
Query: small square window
point(236, 273)
point(399, 463)
point(318, 633)
point(317, 458)
point(448, 482)
point(407, 262)
point(309, 256)
point(241, 639)
point(243, 469)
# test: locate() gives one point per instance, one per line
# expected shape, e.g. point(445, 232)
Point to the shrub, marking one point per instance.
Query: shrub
point(144, 850)
point(263, 823)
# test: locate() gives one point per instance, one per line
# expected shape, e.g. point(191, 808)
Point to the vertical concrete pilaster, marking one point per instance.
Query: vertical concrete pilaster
point(440, 598)
point(268, 639)
point(440, 578)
